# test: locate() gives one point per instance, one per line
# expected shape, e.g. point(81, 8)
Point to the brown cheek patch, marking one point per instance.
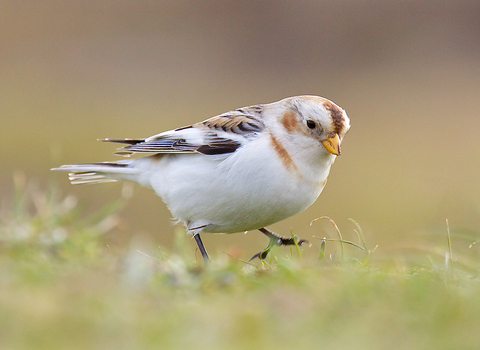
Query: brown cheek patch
point(337, 116)
point(282, 154)
point(290, 121)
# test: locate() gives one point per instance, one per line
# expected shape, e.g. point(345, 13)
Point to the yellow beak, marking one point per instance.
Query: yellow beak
point(332, 144)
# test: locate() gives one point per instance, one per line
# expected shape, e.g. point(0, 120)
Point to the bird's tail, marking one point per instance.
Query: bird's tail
point(93, 173)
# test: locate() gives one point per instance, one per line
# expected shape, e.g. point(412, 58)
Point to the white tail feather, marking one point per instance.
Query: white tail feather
point(98, 172)
point(88, 178)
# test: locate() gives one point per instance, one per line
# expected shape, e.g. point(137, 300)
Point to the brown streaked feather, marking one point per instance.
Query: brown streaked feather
point(241, 124)
point(255, 111)
point(337, 116)
point(184, 127)
point(282, 154)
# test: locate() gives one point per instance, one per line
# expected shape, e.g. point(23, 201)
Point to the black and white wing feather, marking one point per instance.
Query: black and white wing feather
point(221, 134)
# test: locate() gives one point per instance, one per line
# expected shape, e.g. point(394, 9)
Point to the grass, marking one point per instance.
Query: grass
point(61, 287)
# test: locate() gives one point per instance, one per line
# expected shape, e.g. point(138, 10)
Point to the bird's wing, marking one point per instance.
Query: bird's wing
point(221, 134)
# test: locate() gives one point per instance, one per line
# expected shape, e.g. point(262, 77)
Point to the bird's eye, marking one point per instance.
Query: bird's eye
point(311, 124)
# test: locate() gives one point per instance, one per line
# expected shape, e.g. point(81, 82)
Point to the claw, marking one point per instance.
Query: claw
point(302, 241)
point(261, 255)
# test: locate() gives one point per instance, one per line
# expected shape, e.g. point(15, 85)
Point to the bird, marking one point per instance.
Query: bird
point(238, 171)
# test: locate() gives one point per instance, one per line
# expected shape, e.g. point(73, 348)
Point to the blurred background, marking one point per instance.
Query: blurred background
point(407, 73)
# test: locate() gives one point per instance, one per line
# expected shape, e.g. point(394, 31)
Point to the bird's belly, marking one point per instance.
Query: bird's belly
point(233, 195)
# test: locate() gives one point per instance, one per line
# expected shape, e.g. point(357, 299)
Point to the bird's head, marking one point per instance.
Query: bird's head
point(318, 119)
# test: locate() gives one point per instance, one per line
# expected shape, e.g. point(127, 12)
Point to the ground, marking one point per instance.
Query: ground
point(62, 287)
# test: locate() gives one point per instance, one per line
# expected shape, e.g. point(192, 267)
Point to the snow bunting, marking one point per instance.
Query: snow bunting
point(235, 172)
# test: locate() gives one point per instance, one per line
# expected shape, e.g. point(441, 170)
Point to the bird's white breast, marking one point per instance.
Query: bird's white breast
point(246, 190)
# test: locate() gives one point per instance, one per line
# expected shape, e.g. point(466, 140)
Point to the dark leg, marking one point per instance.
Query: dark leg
point(201, 247)
point(275, 239)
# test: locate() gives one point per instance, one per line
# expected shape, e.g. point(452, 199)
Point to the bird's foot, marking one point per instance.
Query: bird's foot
point(276, 239)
